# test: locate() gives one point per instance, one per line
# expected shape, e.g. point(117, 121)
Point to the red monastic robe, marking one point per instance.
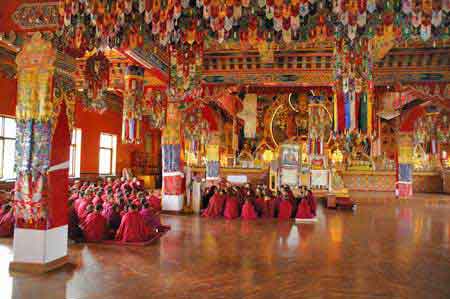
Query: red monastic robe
point(248, 211)
point(304, 210)
point(155, 202)
point(259, 205)
point(268, 210)
point(150, 217)
point(231, 208)
point(285, 209)
point(215, 206)
point(134, 229)
point(312, 203)
point(94, 227)
point(7, 224)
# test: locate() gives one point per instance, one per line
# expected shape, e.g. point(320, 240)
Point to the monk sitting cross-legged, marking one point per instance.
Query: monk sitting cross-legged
point(285, 210)
point(133, 227)
point(150, 217)
point(248, 209)
point(6, 221)
point(231, 206)
point(215, 206)
point(94, 226)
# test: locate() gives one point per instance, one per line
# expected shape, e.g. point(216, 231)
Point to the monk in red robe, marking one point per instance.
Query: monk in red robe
point(304, 210)
point(259, 202)
point(215, 206)
point(312, 202)
point(285, 210)
point(94, 226)
point(75, 232)
point(83, 214)
point(231, 206)
point(6, 221)
point(133, 227)
point(268, 210)
point(248, 209)
point(113, 220)
point(155, 202)
point(82, 204)
point(151, 218)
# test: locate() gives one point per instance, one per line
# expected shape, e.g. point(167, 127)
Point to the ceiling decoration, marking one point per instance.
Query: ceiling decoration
point(36, 15)
point(124, 23)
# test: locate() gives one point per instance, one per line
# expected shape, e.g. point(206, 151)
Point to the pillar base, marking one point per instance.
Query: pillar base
point(39, 251)
point(172, 203)
point(35, 268)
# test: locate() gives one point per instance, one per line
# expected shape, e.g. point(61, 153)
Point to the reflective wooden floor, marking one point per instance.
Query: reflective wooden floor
point(387, 248)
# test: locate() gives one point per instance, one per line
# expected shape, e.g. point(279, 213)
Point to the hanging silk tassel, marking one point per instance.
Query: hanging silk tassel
point(335, 111)
point(347, 111)
point(363, 122)
point(369, 107)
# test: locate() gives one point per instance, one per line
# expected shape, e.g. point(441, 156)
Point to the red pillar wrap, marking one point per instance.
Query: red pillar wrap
point(58, 180)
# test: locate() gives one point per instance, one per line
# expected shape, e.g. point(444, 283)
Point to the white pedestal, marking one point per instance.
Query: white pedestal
point(173, 203)
point(40, 246)
point(39, 251)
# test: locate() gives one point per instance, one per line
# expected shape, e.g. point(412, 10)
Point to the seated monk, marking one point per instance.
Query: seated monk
point(268, 210)
point(75, 232)
point(151, 218)
point(6, 221)
point(133, 227)
point(83, 214)
point(259, 202)
point(312, 202)
point(155, 202)
point(83, 203)
point(248, 210)
point(94, 226)
point(231, 206)
point(304, 210)
point(113, 219)
point(97, 199)
point(285, 210)
point(215, 206)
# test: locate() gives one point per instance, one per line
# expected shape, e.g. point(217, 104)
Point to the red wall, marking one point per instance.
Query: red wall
point(91, 125)
point(8, 96)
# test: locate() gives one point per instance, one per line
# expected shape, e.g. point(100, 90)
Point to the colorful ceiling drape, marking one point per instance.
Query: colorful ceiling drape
point(128, 23)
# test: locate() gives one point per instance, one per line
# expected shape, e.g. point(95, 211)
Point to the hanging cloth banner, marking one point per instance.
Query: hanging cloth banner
point(212, 162)
point(347, 104)
point(363, 113)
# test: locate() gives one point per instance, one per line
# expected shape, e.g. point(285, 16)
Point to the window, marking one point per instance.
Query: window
point(7, 147)
point(75, 153)
point(107, 157)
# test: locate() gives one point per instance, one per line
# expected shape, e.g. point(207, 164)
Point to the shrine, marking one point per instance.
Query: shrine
point(118, 118)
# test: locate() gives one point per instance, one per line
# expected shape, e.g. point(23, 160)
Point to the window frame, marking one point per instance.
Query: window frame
point(113, 152)
point(75, 153)
point(3, 138)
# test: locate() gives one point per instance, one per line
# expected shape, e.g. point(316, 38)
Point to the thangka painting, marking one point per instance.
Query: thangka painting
point(154, 108)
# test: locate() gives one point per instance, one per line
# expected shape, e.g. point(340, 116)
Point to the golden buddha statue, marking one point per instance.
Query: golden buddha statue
point(245, 157)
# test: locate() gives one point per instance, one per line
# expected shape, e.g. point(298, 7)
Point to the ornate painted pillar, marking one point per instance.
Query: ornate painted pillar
point(132, 104)
point(173, 174)
point(43, 113)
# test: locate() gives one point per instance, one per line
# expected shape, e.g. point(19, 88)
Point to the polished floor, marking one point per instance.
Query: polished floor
point(387, 248)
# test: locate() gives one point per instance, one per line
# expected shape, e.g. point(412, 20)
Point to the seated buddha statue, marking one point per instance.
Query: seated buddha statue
point(246, 157)
point(359, 158)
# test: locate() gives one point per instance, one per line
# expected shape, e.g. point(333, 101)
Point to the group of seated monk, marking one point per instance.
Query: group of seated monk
point(233, 202)
point(118, 210)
